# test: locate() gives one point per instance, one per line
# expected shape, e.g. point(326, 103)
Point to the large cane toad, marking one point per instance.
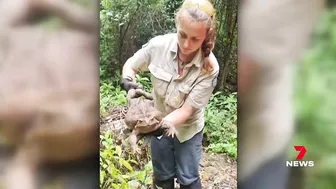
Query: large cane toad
point(143, 118)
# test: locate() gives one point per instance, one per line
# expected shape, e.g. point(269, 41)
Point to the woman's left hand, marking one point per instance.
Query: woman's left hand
point(169, 128)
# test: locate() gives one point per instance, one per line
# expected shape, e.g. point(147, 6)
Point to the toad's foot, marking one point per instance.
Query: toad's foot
point(171, 131)
point(133, 142)
point(169, 128)
point(136, 149)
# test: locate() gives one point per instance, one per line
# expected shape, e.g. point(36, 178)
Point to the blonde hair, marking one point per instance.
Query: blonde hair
point(202, 11)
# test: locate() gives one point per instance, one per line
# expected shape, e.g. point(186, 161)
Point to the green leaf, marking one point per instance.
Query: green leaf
point(126, 164)
point(119, 177)
point(142, 176)
point(115, 186)
point(118, 150)
point(124, 185)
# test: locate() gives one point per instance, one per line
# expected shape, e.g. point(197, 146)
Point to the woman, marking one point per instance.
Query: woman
point(184, 74)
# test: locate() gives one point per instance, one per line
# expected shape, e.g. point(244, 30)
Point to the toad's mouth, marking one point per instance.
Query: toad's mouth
point(147, 123)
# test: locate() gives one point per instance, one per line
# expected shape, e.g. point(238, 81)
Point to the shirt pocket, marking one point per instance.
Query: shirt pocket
point(160, 79)
point(178, 95)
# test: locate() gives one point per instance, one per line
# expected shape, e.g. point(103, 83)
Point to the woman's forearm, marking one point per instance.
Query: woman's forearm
point(128, 71)
point(180, 116)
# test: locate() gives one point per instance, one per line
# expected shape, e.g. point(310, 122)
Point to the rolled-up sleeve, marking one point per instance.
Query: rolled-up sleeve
point(199, 96)
point(140, 60)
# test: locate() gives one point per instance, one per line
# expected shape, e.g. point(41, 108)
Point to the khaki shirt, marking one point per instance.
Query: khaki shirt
point(170, 91)
point(273, 34)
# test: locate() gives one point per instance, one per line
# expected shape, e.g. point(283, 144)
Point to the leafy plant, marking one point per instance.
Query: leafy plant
point(144, 80)
point(117, 167)
point(221, 123)
point(111, 96)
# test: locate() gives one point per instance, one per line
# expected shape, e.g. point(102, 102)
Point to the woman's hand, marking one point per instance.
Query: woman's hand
point(128, 79)
point(176, 118)
point(168, 127)
point(127, 84)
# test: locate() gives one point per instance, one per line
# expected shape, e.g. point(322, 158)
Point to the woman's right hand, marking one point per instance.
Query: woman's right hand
point(127, 84)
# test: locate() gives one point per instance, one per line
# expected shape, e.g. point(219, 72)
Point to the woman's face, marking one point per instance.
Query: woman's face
point(191, 34)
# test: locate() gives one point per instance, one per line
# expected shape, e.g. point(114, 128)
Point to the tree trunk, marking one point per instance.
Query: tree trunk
point(229, 27)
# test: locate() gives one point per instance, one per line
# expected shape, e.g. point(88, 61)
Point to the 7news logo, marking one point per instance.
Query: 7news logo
point(299, 163)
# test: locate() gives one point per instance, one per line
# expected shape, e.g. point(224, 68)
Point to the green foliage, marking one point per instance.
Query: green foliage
point(316, 103)
point(172, 6)
point(117, 168)
point(126, 25)
point(221, 123)
point(111, 95)
point(144, 80)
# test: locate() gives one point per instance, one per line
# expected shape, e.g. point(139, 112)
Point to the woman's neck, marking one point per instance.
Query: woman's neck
point(186, 58)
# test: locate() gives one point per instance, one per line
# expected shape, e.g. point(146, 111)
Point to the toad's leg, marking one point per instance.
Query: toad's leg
point(133, 141)
point(147, 139)
point(130, 95)
point(140, 92)
point(139, 137)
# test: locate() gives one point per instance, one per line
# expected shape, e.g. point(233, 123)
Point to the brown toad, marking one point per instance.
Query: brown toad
point(143, 118)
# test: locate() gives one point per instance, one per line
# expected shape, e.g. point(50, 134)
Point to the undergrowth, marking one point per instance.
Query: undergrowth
point(117, 167)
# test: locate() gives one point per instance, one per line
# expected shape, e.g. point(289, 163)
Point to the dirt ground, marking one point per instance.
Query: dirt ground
point(218, 171)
